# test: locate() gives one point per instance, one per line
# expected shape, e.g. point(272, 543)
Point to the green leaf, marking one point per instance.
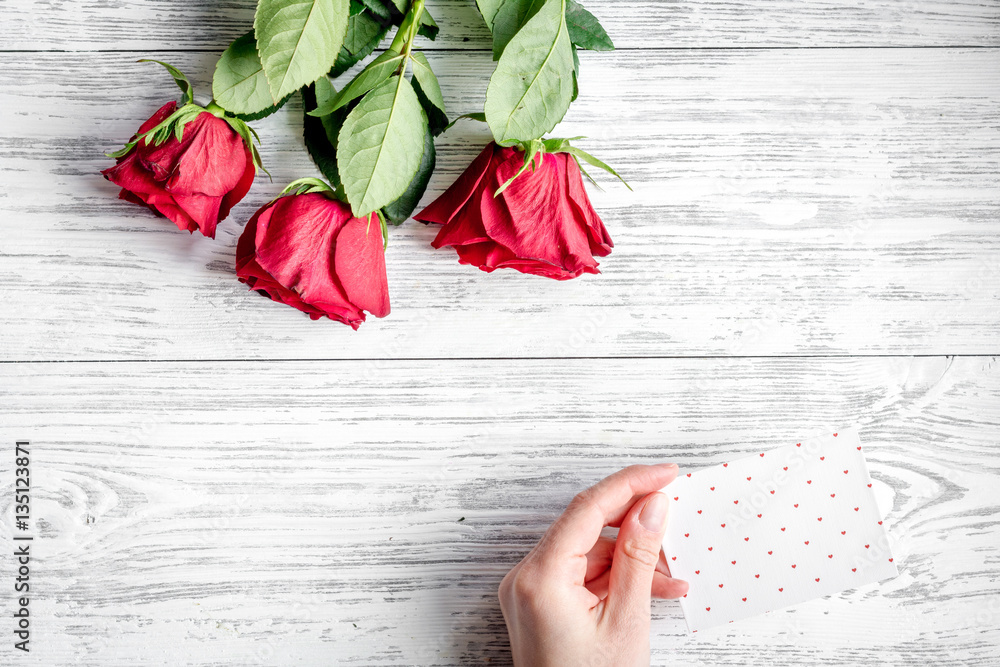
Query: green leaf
point(401, 5)
point(179, 78)
point(298, 40)
point(380, 145)
point(398, 211)
point(377, 8)
point(361, 30)
point(532, 86)
point(437, 120)
point(489, 9)
point(302, 186)
point(428, 26)
point(590, 159)
point(424, 75)
point(585, 30)
point(511, 16)
point(481, 117)
point(576, 75)
point(239, 84)
point(531, 149)
point(347, 59)
point(320, 134)
point(377, 71)
point(429, 93)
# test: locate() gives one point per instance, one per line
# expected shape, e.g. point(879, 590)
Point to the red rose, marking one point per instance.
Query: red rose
point(542, 223)
point(193, 182)
point(309, 252)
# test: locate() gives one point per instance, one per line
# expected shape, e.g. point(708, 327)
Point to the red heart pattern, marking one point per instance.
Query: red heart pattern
point(734, 496)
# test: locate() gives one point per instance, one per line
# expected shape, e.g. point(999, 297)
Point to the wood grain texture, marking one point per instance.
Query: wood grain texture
point(310, 512)
point(166, 24)
point(786, 202)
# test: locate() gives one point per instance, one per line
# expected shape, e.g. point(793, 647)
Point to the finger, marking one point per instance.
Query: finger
point(667, 588)
point(599, 558)
point(576, 532)
point(636, 554)
point(663, 586)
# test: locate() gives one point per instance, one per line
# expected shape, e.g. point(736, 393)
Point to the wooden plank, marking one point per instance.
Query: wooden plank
point(848, 205)
point(311, 513)
point(155, 25)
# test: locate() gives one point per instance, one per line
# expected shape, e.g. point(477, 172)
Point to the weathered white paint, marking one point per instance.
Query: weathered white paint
point(786, 202)
point(634, 24)
point(309, 512)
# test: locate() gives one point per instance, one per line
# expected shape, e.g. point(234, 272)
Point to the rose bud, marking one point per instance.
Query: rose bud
point(308, 251)
point(195, 181)
point(541, 223)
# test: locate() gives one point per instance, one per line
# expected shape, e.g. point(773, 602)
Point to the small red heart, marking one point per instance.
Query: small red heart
point(687, 534)
point(697, 571)
point(809, 481)
point(725, 465)
point(843, 532)
point(699, 511)
point(759, 515)
point(855, 509)
point(854, 569)
point(819, 518)
point(676, 498)
point(685, 595)
point(859, 449)
point(744, 599)
point(807, 542)
point(869, 486)
point(793, 565)
point(723, 525)
point(769, 553)
point(866, 546)
point(710, 548)
point(780, 589)
point(835, 435)
point(880, 523)
point(708, 609)
point(762, 455)
point(748, 479)
point(830, 556)
point(786, 468)
point(713, 488)
point(689, 474)
point(720, 585)
point(817, 578)
point(674, 558)
point(772, 493)
point(756, 576)
point(736, 502)
point(798, 444)
point(833, 495)
point(746, 539)
point(796, 504)
point(822, 458)
point(845, 472)
point(890, 560)
point(782, 530)
point(733, 562)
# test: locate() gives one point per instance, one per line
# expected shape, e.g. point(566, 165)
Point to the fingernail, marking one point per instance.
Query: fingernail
point(667, 465)
point(654, 515)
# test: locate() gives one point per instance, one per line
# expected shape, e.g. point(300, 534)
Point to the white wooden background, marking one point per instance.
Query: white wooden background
point(813, 241)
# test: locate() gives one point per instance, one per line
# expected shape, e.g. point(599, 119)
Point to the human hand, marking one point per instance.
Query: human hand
point(579, 598)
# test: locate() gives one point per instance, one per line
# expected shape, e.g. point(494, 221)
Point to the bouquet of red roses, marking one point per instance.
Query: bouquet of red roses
point(320, 245)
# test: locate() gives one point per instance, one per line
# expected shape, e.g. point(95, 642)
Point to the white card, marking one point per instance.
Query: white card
point(775, 529)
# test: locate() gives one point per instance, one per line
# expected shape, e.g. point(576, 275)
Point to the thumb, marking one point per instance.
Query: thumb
point(637, 551)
